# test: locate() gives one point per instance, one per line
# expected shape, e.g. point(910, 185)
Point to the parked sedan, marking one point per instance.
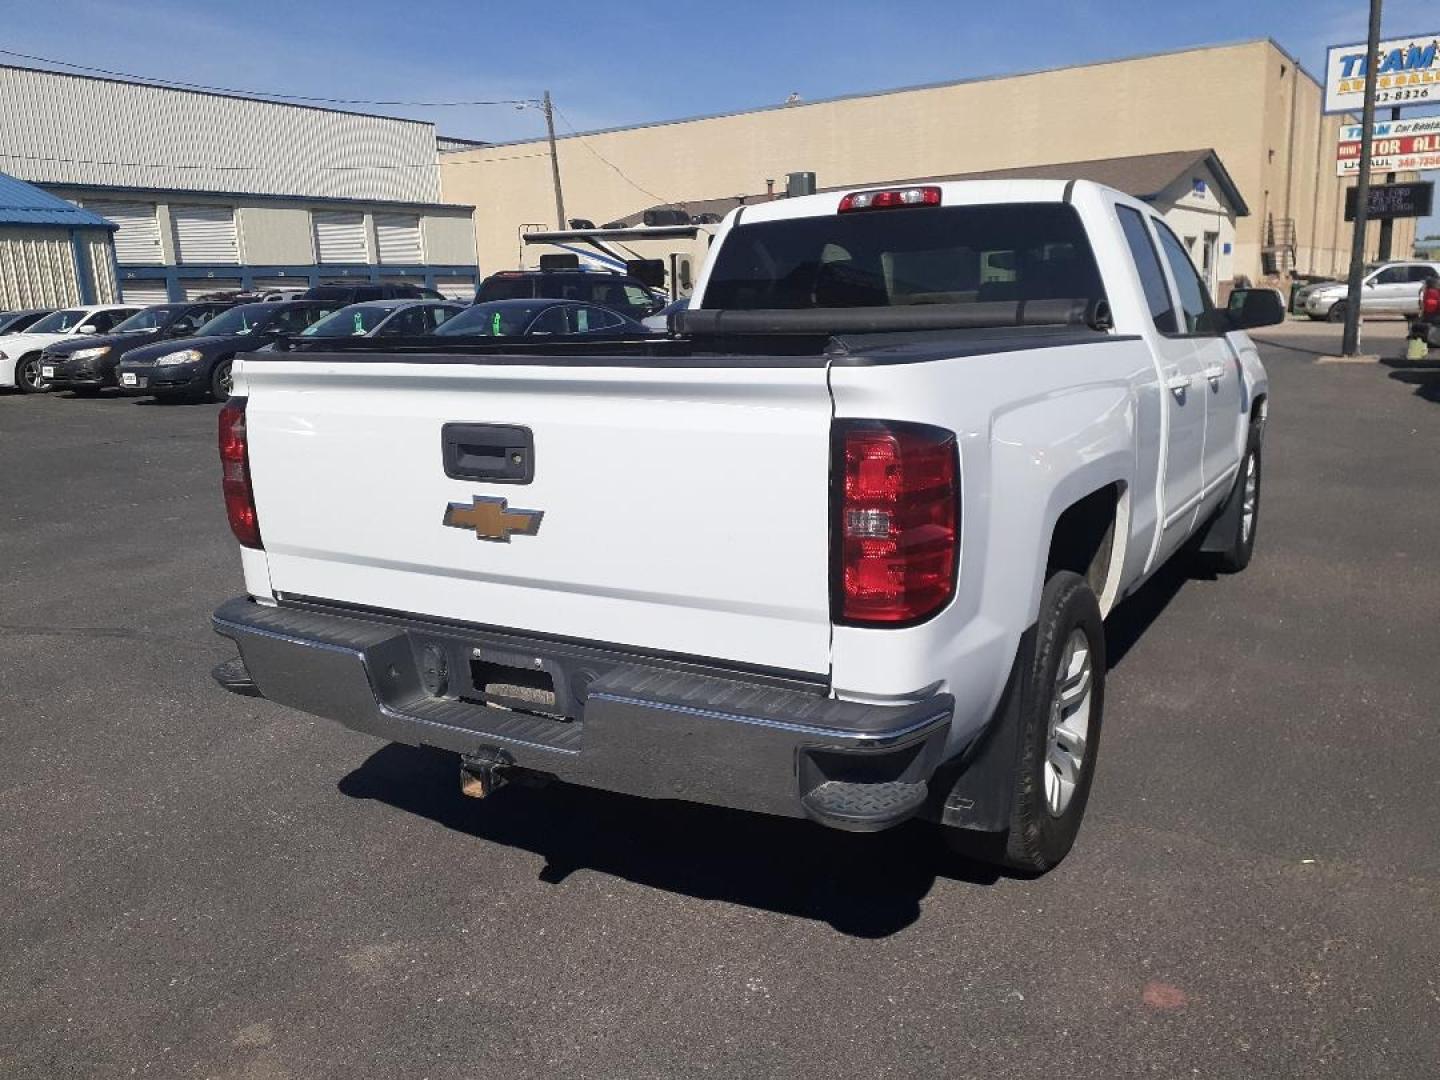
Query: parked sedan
point(540, 318)
point(85, 366)
point(1388, 289)
point(384, 318)
point(20, 353)
point(200, 366)
point(14, 322)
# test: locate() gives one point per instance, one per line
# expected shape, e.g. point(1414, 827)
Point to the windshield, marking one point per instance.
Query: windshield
point(58, 322)
point(354, 321)
point(152, 318)
point(239, 321)
point(505, 288)
point(505, 319)
point(912, 255)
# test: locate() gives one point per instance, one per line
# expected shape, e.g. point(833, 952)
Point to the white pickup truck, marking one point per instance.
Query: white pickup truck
point(839, 547)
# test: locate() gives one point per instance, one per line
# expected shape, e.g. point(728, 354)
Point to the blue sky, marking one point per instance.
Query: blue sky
point(630, 61)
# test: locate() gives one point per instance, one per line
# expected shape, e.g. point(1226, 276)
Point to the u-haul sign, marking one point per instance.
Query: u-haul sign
point(1395, 146)
point(1407, 73)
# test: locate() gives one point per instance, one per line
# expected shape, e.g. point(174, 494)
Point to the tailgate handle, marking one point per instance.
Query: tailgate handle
point(494, 453)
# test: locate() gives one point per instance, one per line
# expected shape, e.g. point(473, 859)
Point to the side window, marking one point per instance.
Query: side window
point(408, 323)
point(1392, 275)
point(187, 324)
point(439, 315)
point(1421, 273)
point(104, 320)
point(550, 321)
point(1147, 264)
point(589, 319)
point(1194, 300)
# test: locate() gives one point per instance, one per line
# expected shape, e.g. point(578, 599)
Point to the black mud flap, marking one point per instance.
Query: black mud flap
point(974, 791)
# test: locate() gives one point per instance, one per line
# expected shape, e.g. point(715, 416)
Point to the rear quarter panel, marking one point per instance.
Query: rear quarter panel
point(1037, 430)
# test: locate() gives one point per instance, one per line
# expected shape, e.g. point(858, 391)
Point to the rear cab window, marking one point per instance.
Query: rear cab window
point(953, 255)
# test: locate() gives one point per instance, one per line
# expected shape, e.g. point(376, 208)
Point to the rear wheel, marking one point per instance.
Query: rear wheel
point(1062, 704)
point(27, 375)
point(1240, 515)
point(222, 381)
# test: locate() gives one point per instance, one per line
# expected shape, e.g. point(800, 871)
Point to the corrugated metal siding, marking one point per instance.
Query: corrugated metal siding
point(204, 234)
point(37, 269)
point(102, 268)
point(64, 129)
point(145, 293)
point(138, 239)
point(398, 238)
point(340, 237)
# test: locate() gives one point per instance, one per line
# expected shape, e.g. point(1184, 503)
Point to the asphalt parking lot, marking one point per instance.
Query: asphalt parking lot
point(196, 884)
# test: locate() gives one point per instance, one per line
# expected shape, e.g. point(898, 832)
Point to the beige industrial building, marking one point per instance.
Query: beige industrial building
point(1247, 109)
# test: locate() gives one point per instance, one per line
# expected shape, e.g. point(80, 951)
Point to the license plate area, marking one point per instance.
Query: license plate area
point(517, 689)
point(47, 371)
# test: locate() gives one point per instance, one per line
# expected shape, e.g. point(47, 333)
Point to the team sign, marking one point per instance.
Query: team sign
point(1407, 73)
point(1395, 146)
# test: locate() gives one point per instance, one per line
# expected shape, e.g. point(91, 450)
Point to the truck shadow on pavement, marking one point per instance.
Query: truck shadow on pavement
point(1425, 379)
point(863, 886)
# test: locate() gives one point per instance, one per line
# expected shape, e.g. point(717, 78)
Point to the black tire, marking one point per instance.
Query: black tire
point(1039, 836)
point(1242, 528)
point(1336, 312)
point(220, 380)
point(28, 377)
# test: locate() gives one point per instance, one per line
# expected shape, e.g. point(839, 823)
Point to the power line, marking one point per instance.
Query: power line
point(179, 85)
point(607, 161)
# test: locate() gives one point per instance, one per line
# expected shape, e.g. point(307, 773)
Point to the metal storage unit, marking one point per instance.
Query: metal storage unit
point(198, 287)
point(137, 240)
point(144, 292)
point(455, 288)
point(340, 236)
point(398, 238)
point(204, 234)
point(52, 252)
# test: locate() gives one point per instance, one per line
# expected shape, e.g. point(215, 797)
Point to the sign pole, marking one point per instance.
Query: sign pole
point(1351, 342)
point(1387, 225)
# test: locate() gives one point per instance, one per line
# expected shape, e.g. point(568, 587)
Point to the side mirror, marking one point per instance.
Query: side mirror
point(1251, 308)
point(86, 329)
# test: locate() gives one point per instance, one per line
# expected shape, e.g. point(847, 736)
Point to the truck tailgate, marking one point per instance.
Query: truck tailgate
point(685, 509)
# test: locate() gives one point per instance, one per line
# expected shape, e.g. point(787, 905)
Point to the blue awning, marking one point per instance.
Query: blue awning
point(26, 204)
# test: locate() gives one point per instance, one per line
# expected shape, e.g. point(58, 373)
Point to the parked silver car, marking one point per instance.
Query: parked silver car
point(1391, 288)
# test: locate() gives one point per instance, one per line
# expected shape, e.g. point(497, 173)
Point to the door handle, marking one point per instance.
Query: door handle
point(1215, 372)
point(494, 453)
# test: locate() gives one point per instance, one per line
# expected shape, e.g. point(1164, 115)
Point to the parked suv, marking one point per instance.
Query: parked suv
point(1391, 288)
point(86, 365)
point(200, 366)
point(366, 291)
point(618, 292)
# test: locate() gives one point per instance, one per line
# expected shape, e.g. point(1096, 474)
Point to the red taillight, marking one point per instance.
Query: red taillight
point(898, 521)
point(235, 474)
point(888, 198)
point(1430, 300)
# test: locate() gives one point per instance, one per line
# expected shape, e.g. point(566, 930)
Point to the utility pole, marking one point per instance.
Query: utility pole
point(1387, 225)
point(1351, 343)
point(549, 108)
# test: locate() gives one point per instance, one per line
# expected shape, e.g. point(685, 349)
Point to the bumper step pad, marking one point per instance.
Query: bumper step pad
point(864, 807)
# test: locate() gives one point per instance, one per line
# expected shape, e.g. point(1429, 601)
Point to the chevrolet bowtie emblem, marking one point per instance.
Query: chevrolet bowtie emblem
point(492, 519)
